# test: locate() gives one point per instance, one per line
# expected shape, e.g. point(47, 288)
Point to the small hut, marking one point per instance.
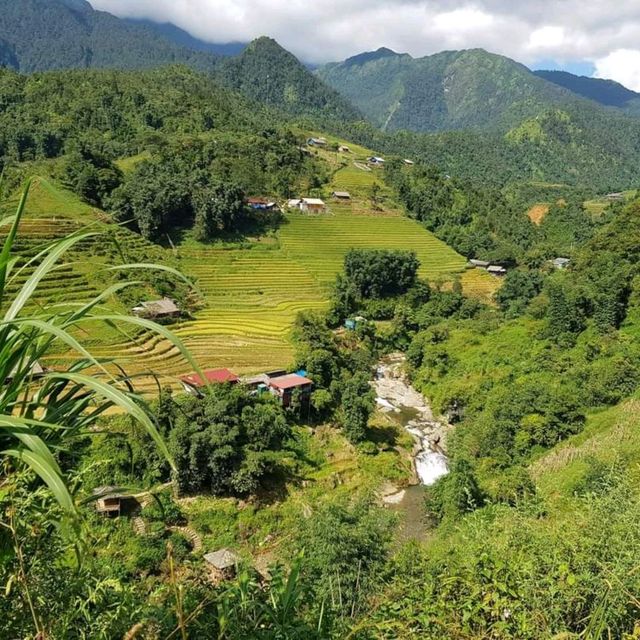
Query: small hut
point(223, 563)
point(341, 195)
point(344, 149)
point(112, 503)
point(408, 162)
point(479, 264)
point(313, 205)
point(157, 309)
point(560, 263)
point(36, 371)
point(496, 270)
point(260, 204)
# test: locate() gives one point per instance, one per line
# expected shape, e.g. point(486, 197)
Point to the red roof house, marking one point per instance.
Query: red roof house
point(284, 386)
point(194, 381)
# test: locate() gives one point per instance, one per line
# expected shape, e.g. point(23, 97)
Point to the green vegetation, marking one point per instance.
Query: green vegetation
point(267, 73)
point(532, 534)
point(446, 91)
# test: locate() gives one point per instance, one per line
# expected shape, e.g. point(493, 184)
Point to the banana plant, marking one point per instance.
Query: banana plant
point(43, 411)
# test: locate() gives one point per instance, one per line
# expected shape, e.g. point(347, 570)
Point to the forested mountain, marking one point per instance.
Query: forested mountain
point(37, 35)
point(269, 74)
point(606, 92)
point(184, 39)
point(445, 91)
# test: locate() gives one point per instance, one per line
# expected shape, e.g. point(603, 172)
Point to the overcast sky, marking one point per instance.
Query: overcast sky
point(593, 37)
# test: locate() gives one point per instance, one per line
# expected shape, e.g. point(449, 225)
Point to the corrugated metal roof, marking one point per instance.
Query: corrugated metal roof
point(158, 307)
point(222, 559)
point(289, 381)
point(313, 201)
point(212, 376)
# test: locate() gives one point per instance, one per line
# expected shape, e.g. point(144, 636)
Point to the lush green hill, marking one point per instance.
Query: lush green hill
point(37, 35)
point(606, 92)
point(445, 91)
point(269, 74)
point(579, 145)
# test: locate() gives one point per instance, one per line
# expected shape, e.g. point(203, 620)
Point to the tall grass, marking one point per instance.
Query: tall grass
point(43, 412)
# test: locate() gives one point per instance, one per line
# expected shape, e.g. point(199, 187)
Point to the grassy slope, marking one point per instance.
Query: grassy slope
point(252, 289)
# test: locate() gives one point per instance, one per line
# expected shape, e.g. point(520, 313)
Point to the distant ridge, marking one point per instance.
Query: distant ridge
point(184, 39)
point(607, 92)
point(370, 56)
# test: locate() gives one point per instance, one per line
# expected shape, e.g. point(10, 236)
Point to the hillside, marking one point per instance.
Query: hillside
point(606, 92)
point(269, 74)
point(445, 91)
point(39, 35)
point(184, 39)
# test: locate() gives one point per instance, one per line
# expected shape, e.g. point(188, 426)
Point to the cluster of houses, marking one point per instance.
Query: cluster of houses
point(279, 383)
point(498, 271)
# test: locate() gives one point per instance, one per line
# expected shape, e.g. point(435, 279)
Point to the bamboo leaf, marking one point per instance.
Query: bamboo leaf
point(122, 400)
point(48, 475)
point(41, 271)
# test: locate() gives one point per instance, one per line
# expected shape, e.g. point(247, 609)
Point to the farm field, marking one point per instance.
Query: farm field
point(252, 295)
point(251, 291)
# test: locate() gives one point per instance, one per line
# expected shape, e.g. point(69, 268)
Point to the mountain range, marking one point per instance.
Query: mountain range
point(487, 117)
point(454, 90)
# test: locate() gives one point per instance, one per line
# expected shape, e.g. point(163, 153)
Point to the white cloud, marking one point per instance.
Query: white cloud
point(622, 65)
point(544, 38)
point(323, 30)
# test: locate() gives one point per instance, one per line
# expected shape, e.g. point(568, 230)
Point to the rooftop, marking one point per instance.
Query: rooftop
point(166, 305)
point(222, 559)
point(211, 376)
point(289, 381)
point(313, 201)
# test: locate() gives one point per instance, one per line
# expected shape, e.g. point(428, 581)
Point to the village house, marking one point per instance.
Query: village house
point(294, 203)
point(312, 205)
point(376, 160)
point(341, 195)
point(317, 142)
point(157, 309)
point(223, 564)
point(408, 162)
point(36, 370)
point(194, 382)
point(112, 503)
point(344, 149)
point(560, 263)
point(615, 196)
point(479, 264)
point(496, 270)
point(283, 387)
point(260, 204)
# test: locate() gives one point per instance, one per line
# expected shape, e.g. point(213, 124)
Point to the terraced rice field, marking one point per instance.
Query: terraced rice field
point(478, 284)
point(251, 292)
point(252, 295)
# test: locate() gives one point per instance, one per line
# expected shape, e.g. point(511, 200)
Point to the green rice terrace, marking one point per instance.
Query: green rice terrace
point(251, 291)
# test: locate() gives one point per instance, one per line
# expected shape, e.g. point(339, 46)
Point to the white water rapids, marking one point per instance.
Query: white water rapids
point(395, 395)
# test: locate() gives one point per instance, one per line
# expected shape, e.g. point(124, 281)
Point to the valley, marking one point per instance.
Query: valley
point(292, 351)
